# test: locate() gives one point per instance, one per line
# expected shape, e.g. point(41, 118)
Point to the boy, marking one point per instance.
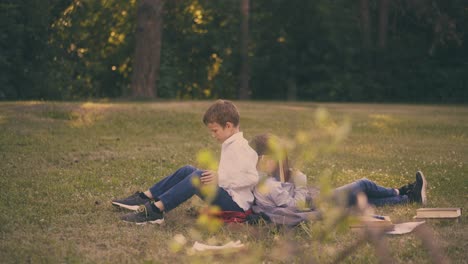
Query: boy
point(236, 176)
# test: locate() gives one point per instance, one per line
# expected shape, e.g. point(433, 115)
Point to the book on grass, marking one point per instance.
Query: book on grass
point(438, 213)
point(374, 221)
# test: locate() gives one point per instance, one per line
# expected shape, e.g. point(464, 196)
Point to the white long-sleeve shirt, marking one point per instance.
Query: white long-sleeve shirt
point(237, 172)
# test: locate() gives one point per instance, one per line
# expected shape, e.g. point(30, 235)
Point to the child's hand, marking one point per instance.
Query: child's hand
point(209, 177)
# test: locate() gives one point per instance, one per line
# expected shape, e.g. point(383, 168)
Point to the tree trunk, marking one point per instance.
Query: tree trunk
point(244, 90)
point(383, 23)
point(365, 24)
point(147, 58)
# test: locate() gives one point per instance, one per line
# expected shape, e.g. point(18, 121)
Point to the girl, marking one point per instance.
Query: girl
point(283, 195)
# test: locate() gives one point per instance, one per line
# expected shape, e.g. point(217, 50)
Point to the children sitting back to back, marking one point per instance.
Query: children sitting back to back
point(235, 178)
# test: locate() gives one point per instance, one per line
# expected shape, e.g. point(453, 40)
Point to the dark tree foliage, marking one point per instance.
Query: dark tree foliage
point(321, 50)
point(25, 53)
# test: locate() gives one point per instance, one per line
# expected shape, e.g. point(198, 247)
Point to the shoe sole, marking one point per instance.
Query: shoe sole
point(423, 189)
point(154, 222)
point(129, 207)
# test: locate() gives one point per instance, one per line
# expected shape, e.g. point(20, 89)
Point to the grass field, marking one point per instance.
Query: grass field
point(62, 163)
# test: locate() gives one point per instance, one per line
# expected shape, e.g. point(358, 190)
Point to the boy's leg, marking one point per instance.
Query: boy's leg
point(348, 193)
point(134, 201)
point(184, 190)
point(170, 181)
point(178, 193)
point(225, 202)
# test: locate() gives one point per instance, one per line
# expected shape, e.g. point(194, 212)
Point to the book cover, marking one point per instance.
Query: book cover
point(438, 213)
point(374, 221)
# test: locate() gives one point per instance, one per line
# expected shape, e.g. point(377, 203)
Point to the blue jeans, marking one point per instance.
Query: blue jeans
point(376, 195)
point(178, 188)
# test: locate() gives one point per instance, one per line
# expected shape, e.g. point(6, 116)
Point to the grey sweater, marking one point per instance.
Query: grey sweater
point(285, 203)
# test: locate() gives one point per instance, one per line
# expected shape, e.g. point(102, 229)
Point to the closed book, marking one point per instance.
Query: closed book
point(438, 213)
point(374, 221)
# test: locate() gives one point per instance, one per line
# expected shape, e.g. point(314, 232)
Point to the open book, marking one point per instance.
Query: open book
point(438, 213)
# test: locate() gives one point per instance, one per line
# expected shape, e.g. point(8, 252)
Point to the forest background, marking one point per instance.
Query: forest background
point(367, 50)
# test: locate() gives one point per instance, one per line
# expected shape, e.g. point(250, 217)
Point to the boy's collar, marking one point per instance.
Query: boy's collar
point(233, 138)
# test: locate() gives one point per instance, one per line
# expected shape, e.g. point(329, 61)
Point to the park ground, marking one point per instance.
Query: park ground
point(62, 163)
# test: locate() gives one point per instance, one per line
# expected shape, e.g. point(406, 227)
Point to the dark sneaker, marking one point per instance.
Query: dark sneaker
point(404, 190)
point(145, 214)
point(132, 202)
point(418, 194)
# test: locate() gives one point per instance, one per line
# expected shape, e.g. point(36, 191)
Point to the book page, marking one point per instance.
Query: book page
point(404, 228)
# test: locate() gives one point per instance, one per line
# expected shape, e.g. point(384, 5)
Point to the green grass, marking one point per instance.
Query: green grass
point(62, 163)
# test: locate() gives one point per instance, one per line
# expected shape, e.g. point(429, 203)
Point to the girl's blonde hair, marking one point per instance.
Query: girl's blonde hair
point(269, 144)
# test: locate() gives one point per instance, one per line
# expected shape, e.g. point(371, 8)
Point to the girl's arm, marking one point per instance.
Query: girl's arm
point(286, 195)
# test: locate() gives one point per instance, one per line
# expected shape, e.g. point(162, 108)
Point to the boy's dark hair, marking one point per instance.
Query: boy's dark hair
point(221, 112)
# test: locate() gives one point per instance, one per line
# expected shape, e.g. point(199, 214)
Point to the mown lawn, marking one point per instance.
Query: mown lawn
point(62, 163)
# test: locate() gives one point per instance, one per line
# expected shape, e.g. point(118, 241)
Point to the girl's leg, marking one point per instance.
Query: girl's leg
point(347, 194)
point(170, 181)
point(398, 199)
